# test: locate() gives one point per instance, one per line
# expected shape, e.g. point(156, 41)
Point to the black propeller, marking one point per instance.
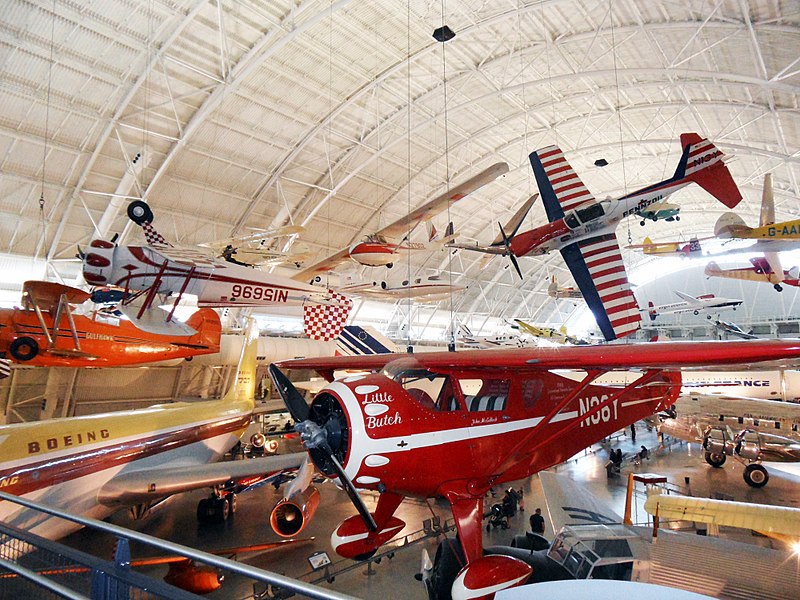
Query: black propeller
point(509, 253)
point(316, 438)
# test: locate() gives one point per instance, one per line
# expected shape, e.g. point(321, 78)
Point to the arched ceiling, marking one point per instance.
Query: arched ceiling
point(341, 116)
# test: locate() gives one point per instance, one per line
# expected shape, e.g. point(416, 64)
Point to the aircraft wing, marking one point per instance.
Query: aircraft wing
point(133, 487)
point(774, 262)
point(399, 229)
point(690, 299)
point(597, 267)
point(570, 504)
point(560, 186)
point(46, 294)
point(765, 518)
point(767, 216)
point(664, 355)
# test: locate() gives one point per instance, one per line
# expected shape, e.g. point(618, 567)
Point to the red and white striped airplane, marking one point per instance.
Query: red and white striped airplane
point(583, 228)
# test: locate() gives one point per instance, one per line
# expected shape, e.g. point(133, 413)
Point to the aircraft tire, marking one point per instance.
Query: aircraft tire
point(715, 460)
point(447, 563)
point(232, 502)
point(222, 509)
point(24, 348)
point(139, 212)
point(697, 312)
point(778, 287)
point(756, 475)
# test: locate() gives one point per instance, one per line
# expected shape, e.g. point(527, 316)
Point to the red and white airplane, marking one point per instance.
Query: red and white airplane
point(761, 271)
point(380, 248)
point(583, 228)
point(148, 274)
point(505, 414)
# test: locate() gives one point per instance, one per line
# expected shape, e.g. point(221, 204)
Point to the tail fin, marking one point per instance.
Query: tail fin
point(702, 163)
point(356, 340)
point(433, 234)
point(141, 214)
point(244, 384)
point(652, 312)
point(563, 329)
point(208, 327)
point(793, 273)
point(730, 225)
point(326, 321)
point(712, 268)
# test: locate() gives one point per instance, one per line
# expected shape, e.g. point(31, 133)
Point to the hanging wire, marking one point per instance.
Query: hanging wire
point(409, 348)
point(42, 219)
point(619, 115)
point(546, 39)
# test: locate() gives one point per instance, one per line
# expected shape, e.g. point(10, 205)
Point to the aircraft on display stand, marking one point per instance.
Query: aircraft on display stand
point(764, 430)
point(381, 248)
point(149, 274)
point(694, 305)
point(505, 412)
point(582, 229)
point(98, 464)
point(47, 331)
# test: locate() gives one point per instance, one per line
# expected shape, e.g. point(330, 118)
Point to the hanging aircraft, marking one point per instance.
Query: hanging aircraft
point(149, 274)
point(764, 427)
point(505, 413)
point(682, 249)
point(761, 271)
point(731, 226)
point(660, 211)
point(583, 229)
point(432, 287)
point(468, 340)
point(703, 303)
point(733, 329)
point(381, 248)
point(95, 465)
point(48, 332)
point(259, 249)
point(554, 291)
point(559, 335)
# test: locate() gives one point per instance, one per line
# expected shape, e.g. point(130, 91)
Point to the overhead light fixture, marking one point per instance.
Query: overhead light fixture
point(443, 34)
point(600, 162)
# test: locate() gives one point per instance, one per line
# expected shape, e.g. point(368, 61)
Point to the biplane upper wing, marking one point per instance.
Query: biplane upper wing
point(47, 294)
point(399, 229)
point(137, 486)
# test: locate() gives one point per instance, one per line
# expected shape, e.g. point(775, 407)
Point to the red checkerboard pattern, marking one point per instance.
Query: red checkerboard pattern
point(326, 321)
point(152, 236)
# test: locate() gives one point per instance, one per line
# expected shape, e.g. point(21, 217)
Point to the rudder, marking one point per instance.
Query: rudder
point(325, 322)
point(702, 163)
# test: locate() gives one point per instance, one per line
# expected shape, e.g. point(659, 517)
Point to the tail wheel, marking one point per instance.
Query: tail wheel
point(715, 459)
point(24, 348)
point(756, 476)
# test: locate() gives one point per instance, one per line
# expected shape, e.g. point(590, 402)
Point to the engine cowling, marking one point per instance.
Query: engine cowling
point(98, 262)
point(291, 515)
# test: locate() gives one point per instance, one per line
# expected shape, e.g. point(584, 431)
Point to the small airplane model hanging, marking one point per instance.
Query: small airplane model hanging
point(761, 271)
point(704, 303)
point(505, 413)
point(47, 332)
point(660, 211)
point(148, 274)
point(769, 233)
point(380, 249)
point(259, 248)
point(733, 329)
point(682, 249)
point(554, 291)
point(431, 287)
point(559, 335)
point(582, 229)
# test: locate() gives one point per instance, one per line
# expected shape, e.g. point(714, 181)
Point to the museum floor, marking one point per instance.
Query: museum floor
point(394, 578)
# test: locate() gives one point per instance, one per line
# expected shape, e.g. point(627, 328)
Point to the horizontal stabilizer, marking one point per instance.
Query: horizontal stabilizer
point(154, 320)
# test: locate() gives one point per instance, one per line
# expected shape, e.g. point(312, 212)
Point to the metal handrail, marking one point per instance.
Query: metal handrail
point(54, 587)
point(282, 581)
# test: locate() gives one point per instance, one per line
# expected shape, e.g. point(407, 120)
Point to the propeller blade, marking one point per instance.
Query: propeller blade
point(291, 397)
point(507, 244)
point(369, 521)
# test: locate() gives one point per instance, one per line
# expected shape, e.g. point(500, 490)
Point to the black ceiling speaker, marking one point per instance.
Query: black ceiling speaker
point(443, 34)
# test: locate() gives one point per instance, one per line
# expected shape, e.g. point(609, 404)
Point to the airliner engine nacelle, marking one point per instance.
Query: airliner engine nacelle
point(291, 515)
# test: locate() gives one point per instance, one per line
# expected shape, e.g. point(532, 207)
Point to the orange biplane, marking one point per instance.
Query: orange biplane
point(47, 332)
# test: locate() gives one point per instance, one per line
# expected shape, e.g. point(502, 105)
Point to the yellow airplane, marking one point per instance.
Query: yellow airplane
point(731, 226)
point(548, 333)
point(94, 465)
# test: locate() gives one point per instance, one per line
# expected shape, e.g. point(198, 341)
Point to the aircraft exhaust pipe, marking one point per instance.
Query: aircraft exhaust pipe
point(291, 515)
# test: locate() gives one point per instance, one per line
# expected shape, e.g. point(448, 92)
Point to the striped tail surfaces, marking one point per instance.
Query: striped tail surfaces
point(703, 163)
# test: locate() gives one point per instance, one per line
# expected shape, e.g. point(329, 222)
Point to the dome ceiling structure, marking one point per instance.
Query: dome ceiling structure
point(342, 116)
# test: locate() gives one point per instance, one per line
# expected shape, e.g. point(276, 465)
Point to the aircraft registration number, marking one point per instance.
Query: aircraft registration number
point(604, 415)
point(254, 292)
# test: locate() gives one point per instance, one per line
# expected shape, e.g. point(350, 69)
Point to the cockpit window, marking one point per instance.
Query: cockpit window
point(590, 212)
point(485, 394)
point(571, 220)
point(432, 390)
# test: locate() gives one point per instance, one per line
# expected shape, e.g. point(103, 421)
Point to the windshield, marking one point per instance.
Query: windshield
point(433, 391)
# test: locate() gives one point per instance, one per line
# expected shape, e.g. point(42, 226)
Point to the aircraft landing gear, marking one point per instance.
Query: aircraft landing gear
point(216, 509)
point(755, 475)
point(778, 287)
point(715, 459)
point(24, 348)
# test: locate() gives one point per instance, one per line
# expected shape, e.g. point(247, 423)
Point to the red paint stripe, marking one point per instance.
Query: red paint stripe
point(548, 152)
point(606, 259)
point(606, 272)
point(588, 253)
point(614, 282)
point(623, 308)
point(627, 320)
point(555, 171)
point(617, 295)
